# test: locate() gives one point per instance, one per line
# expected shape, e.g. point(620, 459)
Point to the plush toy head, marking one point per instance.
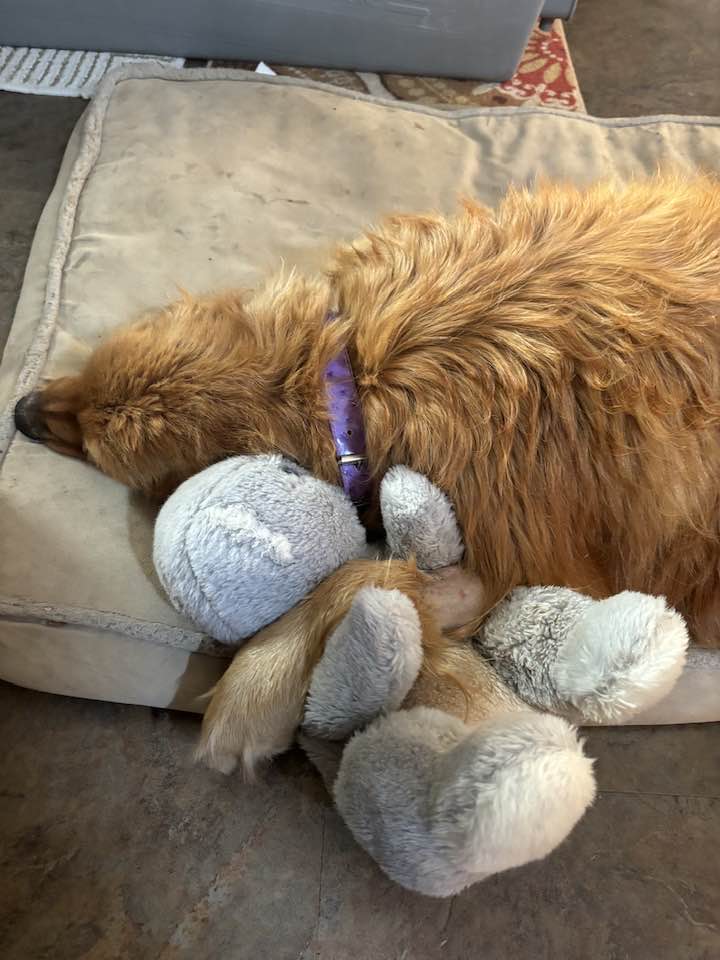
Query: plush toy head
point(239, 544)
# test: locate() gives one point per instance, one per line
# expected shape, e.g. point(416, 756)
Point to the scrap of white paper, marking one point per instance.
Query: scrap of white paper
point(264, 68)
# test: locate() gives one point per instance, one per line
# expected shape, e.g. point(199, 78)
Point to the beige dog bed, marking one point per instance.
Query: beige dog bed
point(207, 179)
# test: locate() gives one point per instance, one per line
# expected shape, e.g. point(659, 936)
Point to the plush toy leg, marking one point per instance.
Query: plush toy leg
point(599, 661)
point(439, 805)
point(370, 662)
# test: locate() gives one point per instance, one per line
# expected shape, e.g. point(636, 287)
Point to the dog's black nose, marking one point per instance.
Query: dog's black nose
point(27, 419)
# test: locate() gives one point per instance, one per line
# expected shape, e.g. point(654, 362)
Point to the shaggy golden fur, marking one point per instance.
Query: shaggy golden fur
point(553, 365)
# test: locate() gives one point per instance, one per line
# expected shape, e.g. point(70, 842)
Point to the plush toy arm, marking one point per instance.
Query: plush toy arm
point(419, 519)
point(599, 661)
point(371, 661)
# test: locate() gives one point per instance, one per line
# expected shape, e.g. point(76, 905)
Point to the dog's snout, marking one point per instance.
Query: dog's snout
point(28, 418)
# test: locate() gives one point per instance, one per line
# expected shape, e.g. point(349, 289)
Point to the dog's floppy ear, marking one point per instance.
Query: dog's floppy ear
point(129, 443)
point(62, 396)
point(124, 432)
point(133, 430)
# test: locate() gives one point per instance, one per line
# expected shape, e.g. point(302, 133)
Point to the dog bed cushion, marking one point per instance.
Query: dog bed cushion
point(204, 180)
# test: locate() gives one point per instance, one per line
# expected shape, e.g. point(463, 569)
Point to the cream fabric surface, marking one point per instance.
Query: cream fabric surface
point(206, 179)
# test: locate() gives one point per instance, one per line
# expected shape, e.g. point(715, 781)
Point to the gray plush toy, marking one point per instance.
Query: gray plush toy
point(442, 782)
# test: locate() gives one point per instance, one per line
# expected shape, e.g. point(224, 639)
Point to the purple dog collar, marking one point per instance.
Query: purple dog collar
point(348, 430)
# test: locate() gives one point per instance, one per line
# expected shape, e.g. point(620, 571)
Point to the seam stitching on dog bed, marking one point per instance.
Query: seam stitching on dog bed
point(148, 631)
point(172, 75)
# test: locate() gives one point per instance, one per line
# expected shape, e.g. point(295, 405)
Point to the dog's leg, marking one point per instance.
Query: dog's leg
point(599, 661)
point(258, 703)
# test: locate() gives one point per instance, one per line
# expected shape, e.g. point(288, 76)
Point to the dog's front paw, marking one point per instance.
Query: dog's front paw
point(251, 717)
point(224, 744)
point(623, 655)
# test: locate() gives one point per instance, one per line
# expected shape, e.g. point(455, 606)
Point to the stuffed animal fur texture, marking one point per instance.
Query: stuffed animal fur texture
point(451, 755)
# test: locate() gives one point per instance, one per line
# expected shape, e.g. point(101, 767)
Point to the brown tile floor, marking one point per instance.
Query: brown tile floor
point(647, 56)
point(33, 135)
point(114, 847)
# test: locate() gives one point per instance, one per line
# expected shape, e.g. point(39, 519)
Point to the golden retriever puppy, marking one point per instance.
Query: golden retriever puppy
point(553, 365)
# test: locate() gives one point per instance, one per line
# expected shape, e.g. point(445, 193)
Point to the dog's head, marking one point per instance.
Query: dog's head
point(152, 405)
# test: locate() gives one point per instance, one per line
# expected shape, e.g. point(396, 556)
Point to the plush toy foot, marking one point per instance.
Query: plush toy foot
point(440, 806)
point(369, 665)
point(599, 661)
point(324, 755)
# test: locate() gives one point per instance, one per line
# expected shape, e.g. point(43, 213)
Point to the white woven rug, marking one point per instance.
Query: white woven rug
point(63, 73)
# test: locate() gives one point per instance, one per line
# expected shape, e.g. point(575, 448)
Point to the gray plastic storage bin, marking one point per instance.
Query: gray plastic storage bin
point(481, 39)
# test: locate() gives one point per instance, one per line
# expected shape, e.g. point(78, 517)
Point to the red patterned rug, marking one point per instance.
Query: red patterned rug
point(545, 77)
